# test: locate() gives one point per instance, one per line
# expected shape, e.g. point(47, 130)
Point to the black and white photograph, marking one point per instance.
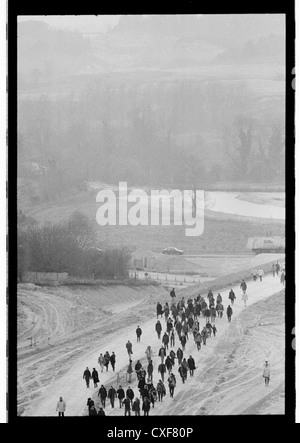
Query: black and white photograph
point(152, 157)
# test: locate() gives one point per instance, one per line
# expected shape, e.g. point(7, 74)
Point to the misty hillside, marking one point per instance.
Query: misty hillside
point(168, 100)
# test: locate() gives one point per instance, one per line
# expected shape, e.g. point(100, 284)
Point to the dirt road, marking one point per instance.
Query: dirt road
point(228, 379)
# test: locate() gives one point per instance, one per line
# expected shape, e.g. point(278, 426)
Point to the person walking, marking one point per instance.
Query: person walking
point(162, 353)
point(172, 356)
point(191, 365)
point(146, 406)
point(130, 394)
point(101, 411)
point(61, 407)
point(138, 332)
point(229, 312)
point(158, 328)
point(129, 348)
point(102, 393)
point(172, 293)
point(113, 361)
point(106, 360)
point(179, 355)
point(214, 329)
point(260, 273)
point(90, 403)
point(273, 269)
point(267, 373)
point(232, 296)
point(101, 362)
point(129, 372)
point(150, 370)
point(127, 404)
point(159, 310)
point(165, 340)
point(219, 298)
point(243, 285)
point(112, 395)
point(87, 376)
point(282, 278)
point(120, 395)
point(172, 384)
point(136, 406)
point(169, 364)
point(204, 335)
point(183, 372)
point(95, 377)
point(245, 298)
point(161, 390)
point(148, 353)
point(198, 340)
point(162, 370)
point(183, 341)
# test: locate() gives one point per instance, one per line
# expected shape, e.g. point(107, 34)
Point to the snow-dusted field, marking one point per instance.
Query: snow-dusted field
point(228, 378)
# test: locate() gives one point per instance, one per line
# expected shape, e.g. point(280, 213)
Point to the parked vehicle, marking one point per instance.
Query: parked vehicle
point(172, 251)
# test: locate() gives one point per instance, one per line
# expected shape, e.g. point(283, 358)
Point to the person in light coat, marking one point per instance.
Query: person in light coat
point(61, 407)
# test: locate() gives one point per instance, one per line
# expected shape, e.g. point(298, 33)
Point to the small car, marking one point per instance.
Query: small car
point(172, 250)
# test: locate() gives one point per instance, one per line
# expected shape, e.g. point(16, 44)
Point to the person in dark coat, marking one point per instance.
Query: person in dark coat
point(162, 370)
point(90, 403)
point(219, 298)
point(162, 353)
point(102, 394)
point(169, 325)
point(229, 312)
point(158, 328)
point(138, 334)
point(130, 394)
point(87, 376)
point(191, 365)
point(213, 313)
point(146, 406)
point(95, 378)
point(161, 390)
point(179, 355)
point(112, 395)
point(172, 293)
point(129, 371)
point(150, 370)
point(204, 335)
point(136, 406)
point(183, 341)
point(120, 395)
point(127, 403)
point(165, 340)
point(169, 364)
point(152, 395)
point(183, 372)
point(106, 360)
point(231, 296)
point(198, 340)
point(214, 329)
point(243, 286)
point(101, 411)
point(113, 361)
point(92, 411)
point(220, 309)
point(159, 310)
point(138, 366)
point(129, 348)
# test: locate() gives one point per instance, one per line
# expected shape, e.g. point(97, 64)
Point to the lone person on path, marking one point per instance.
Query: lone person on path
point(266, 374)
point(172, 293)
point(231, 296)
point(138, 334)
point(87, 376)
point(61, 407)
point(229, 312)
point(243, 285)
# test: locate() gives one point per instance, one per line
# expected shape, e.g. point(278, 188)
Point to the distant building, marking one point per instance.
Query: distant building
point(273, 244)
